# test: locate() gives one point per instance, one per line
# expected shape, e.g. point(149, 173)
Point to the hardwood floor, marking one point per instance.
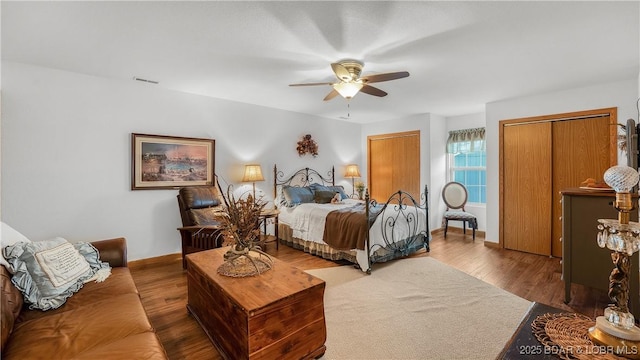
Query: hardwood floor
point(163, 286)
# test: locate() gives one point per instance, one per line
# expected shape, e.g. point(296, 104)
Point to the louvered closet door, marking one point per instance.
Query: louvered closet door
point(526, 188)
point(394, 164)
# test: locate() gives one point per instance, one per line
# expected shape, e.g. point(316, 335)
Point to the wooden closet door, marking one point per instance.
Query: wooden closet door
point(527, 189)
point(581, 150)
point(394, 164)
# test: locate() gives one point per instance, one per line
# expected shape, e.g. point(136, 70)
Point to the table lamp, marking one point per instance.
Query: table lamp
point(253, 173)
point(352, 172)
point(617, 327)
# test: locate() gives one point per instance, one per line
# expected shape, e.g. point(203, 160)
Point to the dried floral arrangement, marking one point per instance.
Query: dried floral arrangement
point(307, 146)
point(241, 230)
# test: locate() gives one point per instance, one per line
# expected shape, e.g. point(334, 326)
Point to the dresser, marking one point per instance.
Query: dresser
point(583, 261)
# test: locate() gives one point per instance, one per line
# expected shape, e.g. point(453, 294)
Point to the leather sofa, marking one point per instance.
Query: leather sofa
point(101, 321)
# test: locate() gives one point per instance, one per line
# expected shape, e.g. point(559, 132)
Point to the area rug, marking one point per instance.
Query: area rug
point(416, 308)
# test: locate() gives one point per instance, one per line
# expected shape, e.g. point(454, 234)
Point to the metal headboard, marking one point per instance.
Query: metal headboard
point(302, 177)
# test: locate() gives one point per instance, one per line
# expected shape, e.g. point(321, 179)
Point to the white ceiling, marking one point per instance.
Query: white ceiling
point(461, 55)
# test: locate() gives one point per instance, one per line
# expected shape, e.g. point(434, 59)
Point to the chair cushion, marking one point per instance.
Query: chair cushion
point(462, 216)
point(68, 334)
point(206, 216)
point(200, 197)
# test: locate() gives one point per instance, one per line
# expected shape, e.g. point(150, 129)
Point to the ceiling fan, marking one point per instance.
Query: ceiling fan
point(350, 83)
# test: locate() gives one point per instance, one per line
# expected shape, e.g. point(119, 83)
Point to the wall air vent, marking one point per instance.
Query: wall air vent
point(145, 80)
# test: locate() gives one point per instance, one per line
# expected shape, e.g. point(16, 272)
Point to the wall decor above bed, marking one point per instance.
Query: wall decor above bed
point(307, 146)
point(171, 162)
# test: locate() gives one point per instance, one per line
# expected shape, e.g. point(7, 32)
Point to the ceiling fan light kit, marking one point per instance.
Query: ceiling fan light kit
point(348, 89)
point(350, 83)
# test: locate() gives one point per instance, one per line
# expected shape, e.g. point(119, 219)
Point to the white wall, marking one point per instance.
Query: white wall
point(66, 153)
point(620, 94)
point(468, 121)
point(438, 165)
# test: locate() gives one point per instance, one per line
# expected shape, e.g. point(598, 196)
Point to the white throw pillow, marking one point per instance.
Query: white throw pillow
point(9, 236)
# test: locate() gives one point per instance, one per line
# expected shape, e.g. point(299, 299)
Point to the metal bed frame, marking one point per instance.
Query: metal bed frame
point(401, 205)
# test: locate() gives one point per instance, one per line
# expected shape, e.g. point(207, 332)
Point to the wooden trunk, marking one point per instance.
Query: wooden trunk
point(278, 314)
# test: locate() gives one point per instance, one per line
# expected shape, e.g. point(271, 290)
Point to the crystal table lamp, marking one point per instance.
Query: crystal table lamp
point(617, 327)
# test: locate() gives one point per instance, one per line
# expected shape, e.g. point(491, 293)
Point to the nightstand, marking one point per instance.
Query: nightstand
point(265, 215)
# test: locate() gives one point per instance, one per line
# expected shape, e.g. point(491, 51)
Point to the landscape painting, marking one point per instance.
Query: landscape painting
point(170, 162)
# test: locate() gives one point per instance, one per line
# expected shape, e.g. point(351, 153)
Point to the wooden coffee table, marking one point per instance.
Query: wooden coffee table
point(278, 314)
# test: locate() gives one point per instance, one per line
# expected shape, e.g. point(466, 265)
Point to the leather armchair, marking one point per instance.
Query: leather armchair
point(200, 209)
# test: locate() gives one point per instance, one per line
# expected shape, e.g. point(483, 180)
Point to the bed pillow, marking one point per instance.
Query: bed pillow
point(323, 197)
point(49, 272)
point(296, 195)
point(9, 236)
point(334, 189)
point(340, 189)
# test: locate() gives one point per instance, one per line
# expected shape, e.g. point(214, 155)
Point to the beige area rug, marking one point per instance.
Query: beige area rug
point(416, 308)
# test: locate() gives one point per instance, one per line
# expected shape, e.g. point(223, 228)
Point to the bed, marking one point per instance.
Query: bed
point(362, 232)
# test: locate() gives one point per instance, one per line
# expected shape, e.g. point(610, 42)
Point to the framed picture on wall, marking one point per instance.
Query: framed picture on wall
point(171, 162)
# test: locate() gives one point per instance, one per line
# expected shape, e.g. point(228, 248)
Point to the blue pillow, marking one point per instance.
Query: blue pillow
point(296, 195)
point(340, 189)
point(48, 272)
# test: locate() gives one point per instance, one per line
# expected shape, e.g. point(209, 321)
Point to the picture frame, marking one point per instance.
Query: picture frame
point(171, 162)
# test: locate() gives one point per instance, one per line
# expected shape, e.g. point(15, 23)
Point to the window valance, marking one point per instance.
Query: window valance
point(466, 140)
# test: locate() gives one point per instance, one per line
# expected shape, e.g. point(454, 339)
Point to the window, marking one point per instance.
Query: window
point(467, 162)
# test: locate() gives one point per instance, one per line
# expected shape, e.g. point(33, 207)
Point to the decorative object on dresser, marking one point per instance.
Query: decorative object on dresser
point(241, 232)
point(617, 327)
point(253, 173)
point(353, 172)
point(307, 146)
point(277, 315)
point(201, 209)
point(360, 232)
point(455, 195)
point(170, 162)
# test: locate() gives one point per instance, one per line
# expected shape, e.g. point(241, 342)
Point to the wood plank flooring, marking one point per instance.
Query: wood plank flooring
point(163, 286)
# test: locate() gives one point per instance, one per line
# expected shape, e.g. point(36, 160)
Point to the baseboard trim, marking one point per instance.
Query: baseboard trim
point(154, 261)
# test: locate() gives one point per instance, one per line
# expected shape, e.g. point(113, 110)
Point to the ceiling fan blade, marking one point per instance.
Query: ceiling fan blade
point(384, 77)
point(331, 95)
point(368, 89)
point(341, 72)
point(311, 84)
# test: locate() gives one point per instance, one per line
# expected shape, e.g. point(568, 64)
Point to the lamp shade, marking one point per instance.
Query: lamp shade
point(348, 89)
point(352, 171)
point(252, 172)
point(621, 178)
